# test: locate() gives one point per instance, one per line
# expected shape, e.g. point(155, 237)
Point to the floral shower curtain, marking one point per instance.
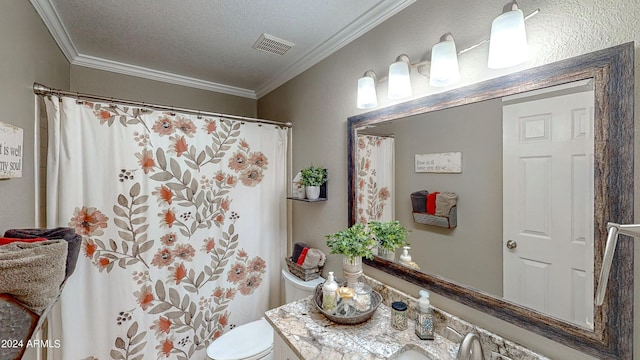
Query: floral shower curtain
point(183, 221)
point(375, 180)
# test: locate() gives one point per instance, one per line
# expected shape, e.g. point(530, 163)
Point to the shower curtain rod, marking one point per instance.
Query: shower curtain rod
point(379, 135)
point(40, 89)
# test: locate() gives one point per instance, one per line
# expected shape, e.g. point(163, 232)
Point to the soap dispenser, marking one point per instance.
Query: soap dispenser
point(405, 258)
point(424, 317)
point(329, 294)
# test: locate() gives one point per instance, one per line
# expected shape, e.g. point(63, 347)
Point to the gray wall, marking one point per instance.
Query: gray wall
point(475, 131)
point(320, 100)
point(105, 83)
point(28, 55)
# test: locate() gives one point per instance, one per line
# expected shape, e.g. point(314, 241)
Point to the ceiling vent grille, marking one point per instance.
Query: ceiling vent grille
point(272, 45)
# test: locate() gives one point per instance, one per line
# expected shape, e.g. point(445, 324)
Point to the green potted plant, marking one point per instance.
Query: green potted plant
point(312, 178)
point(353, 244)
point(389, 235)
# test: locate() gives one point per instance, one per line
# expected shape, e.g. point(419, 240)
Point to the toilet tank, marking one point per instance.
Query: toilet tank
point(296, 288)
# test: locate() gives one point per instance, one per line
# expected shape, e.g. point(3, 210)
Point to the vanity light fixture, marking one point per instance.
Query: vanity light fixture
point(444, 62)
point(367, 96)
point(399, 78)
point(508, 42)
point(613, 230)
point(507, 47)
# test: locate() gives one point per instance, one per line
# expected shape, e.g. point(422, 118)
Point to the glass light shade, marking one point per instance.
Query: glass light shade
point(444, 64)
point(508, 42)
point(399, 80)
point(367, 97)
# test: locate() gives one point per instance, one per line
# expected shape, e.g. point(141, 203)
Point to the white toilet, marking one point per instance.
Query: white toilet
point(254, 340)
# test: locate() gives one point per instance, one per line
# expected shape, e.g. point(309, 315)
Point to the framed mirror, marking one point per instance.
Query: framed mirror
point(474, 120)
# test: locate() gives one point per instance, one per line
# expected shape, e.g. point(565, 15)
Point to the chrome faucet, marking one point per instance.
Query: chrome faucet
point(470, 348)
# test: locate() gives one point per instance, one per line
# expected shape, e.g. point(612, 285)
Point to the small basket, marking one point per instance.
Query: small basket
point(449, 222)
point(305, 274)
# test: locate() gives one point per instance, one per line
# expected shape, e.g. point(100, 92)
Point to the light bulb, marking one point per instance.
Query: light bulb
point(367, 97)
point(444, 63)
point(399, 79)
point(508, 42)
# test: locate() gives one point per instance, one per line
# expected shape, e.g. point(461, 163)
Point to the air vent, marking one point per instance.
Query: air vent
point(272, 44)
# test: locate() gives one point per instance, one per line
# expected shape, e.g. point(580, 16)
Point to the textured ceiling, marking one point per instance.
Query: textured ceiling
point(208, 43)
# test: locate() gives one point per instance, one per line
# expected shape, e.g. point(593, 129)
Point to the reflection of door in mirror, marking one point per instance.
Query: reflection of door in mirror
point(548, 201)
point(375, 178)
point(476, 130)
point(465, 263)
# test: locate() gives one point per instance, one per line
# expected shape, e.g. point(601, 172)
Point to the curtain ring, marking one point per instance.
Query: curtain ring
point(78, 101)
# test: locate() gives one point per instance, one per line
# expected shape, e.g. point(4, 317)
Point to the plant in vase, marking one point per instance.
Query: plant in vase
point(353, 244)
point(312, 178)
point(388, 235)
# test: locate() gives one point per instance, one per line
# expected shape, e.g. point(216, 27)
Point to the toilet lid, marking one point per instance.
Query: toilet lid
point(243, 341)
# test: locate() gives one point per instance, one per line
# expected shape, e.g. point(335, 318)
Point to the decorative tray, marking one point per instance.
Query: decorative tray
point(360, 317)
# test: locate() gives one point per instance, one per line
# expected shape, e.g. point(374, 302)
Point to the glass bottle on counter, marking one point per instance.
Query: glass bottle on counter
point(362, 299)
point(329, 294)
point(424, 317)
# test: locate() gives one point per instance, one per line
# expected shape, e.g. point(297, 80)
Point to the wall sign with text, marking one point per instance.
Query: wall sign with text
point(444, 163)
point(10, 151)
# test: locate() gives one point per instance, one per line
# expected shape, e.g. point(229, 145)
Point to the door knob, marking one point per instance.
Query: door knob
point(511, 244)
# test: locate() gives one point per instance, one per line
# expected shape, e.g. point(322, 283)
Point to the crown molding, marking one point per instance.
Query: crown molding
point(52, 21)
point(151, 74)
point(376, 15)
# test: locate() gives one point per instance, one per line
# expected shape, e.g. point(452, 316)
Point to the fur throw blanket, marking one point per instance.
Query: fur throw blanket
point(33, 272)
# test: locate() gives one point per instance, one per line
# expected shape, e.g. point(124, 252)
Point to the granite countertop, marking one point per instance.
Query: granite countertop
point(312, 336)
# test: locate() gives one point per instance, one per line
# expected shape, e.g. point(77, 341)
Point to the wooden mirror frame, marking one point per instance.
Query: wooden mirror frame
point(613, 72)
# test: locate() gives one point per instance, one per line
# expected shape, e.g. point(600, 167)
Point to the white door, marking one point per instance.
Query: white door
point(548, 205)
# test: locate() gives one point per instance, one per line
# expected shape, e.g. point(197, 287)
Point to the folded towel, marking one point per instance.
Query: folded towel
point(431, 203)
point(74, 241)
point(444, 202)
point(7, 240)
point(33, 272)
point(314, 258)
point(297, 250)
point(302, 256)
point(419, 201)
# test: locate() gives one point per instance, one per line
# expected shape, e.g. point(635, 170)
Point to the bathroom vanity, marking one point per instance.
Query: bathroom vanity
point(302, 332)
point(306, 334)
